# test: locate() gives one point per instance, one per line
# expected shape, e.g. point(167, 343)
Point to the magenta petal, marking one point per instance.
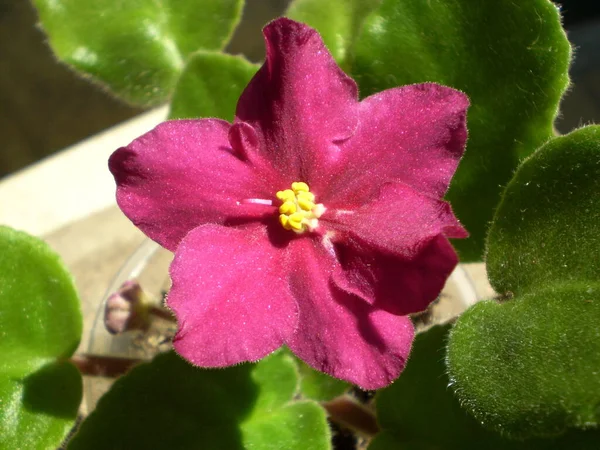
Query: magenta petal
point(393, 251)
point(397, 285)
point(414, 134)
point(182, 174)
point(230, 296)
point(300, 101)
point(340, 334)
point(399, 221)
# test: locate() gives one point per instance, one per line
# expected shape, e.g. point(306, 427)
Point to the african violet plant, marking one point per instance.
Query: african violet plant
point(311, 211)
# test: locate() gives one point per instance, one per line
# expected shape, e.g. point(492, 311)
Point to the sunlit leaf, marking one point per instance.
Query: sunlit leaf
point(531, 365)
point(40, 327)
point(137, 48)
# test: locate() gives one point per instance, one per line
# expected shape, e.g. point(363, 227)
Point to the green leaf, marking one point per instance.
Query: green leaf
point(337, 21)
point(421, 396)
point(315, 385)
point(420, 412)
point(547, 228)
point(510, 57)
point(318, 385)
point(300, 425)
point(170, 404)
point(210, 86)
point(40, 326)
point(136, 47)
point(531, 366)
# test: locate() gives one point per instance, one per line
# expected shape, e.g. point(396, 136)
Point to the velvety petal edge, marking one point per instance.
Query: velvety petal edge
point(230, 296)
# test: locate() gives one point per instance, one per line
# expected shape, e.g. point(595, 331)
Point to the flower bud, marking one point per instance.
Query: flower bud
point(127, 309)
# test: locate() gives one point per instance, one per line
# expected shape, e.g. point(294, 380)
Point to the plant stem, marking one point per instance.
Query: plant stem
point(103, 366)
point(162, 312)
point(348, 412)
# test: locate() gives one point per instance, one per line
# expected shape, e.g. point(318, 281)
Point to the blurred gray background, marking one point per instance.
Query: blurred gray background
point(45, 107)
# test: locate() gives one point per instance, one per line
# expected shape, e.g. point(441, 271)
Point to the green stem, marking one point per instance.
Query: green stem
point(162, 312)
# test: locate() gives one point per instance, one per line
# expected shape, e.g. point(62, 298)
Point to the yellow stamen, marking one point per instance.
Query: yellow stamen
point(305, 204)
point(288, 207)
point(287, 195)
point(300, 186)
point(284, 221)
point(298, 210)
point(306, 196)
point(295, 220)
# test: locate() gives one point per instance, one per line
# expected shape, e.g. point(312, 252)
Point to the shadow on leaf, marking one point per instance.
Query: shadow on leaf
point(54, 390)
point(170, 404)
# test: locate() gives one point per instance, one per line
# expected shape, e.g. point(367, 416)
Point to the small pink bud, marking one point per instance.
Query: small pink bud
point(127, 309)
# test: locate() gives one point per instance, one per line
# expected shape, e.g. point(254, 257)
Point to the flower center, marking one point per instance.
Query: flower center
point(298, 211)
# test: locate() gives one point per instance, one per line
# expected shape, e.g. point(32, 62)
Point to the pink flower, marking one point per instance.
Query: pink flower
point(314, 220)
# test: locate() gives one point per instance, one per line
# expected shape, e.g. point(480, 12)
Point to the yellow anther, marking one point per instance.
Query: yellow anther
point(288, 207)
point(304, 204)
point(295, 220)
point(287, 195)
point(298, 211)
point(306, 196)
point(300, 186)
point(284, 221)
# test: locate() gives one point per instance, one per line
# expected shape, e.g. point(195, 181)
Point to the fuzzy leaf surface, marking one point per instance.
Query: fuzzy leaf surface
point(338, 22)
point(168, 403)
point(40, 327)
point(420, 411)
point(530, 366)
point(137, 48)
point(210, 86)
point(511, 58)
